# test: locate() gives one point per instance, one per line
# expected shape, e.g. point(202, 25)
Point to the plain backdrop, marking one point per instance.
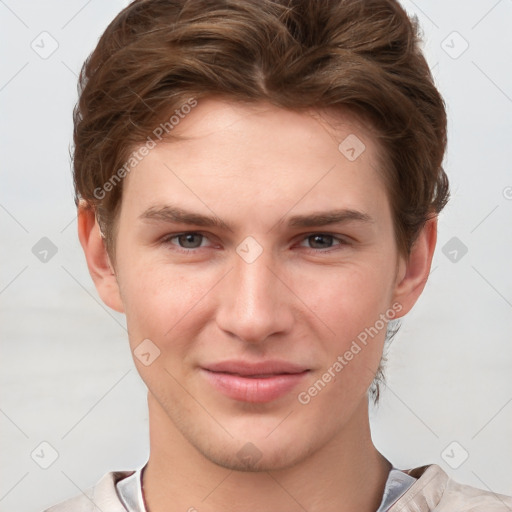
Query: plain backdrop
point(67, 377)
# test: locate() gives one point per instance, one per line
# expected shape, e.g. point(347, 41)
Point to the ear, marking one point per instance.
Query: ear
point(98, 261)
point(413, 273)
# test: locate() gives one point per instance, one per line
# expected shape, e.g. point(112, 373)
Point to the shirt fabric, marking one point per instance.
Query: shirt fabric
point(431, 490)
point(131, 495)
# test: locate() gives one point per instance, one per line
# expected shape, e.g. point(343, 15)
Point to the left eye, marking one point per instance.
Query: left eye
point(187, 240)
point(321, 240)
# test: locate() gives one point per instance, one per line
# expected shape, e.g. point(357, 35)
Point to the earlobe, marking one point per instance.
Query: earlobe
point(98, 261)
point(413, 273)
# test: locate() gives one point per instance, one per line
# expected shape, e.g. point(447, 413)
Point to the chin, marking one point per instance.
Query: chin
point(249, 457)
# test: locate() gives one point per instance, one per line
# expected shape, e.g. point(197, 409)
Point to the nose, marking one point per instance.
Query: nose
point(255, 303)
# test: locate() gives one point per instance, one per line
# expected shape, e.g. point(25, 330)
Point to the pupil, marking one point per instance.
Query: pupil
point(318, 238)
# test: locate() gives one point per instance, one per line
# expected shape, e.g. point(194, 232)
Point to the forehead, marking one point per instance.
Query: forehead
point(263, 158)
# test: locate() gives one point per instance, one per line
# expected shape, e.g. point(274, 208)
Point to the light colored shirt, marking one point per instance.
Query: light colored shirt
point(432, 491)
point(129, 490)
point(131, 495)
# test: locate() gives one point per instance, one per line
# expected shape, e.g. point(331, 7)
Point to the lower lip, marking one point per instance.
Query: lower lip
point(255, 390)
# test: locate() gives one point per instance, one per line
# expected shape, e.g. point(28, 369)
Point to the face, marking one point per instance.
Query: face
point(257, 259)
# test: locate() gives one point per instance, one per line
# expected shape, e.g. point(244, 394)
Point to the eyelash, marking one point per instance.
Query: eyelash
point(167, 240)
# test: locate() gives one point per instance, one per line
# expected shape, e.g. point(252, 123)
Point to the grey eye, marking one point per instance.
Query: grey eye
point(186, 240)
point(319, 241)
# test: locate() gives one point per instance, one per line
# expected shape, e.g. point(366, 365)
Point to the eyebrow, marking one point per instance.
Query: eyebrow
point(175, 214)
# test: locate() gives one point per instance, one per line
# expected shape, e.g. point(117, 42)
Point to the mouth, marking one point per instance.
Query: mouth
point(262, 376)
point(254, 382)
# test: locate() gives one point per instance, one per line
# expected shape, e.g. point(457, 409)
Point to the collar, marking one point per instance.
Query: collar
point(131, 493)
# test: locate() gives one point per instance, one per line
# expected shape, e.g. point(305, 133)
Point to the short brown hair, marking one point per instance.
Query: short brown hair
point(360, 55)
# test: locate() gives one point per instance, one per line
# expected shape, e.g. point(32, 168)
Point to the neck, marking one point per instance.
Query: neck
point(346, 474)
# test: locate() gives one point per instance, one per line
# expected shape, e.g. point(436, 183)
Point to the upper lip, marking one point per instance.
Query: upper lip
point(245, 368)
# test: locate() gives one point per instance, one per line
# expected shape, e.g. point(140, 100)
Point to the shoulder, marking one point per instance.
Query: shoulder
point(435, 490)
point(102, 497)
point(464, 497)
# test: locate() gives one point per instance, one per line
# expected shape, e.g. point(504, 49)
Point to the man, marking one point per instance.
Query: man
point(258, 183)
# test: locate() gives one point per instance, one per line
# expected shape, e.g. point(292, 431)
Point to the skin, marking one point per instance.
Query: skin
point(303, 300)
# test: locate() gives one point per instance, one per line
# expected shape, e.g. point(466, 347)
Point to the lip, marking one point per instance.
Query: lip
point(258, 382)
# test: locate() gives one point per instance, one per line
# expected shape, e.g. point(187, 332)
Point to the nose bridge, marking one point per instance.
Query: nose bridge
point(255, 286)
point(254, 303)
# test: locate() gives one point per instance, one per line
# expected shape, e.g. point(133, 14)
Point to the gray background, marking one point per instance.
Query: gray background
point(67, 377)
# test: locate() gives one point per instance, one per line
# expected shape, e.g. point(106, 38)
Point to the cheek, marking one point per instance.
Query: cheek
point(351, 302)
point(348, 299)
point(159, 301)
